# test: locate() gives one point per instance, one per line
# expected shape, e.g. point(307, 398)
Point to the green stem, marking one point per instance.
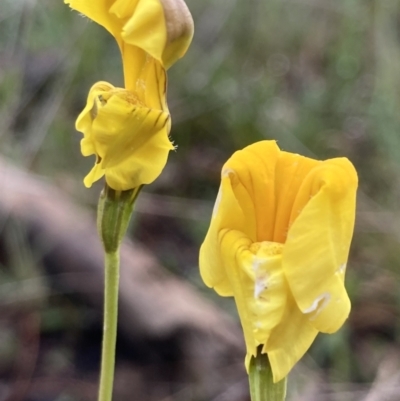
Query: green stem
point(111, 285)
point(262, 387)
point(113, 215)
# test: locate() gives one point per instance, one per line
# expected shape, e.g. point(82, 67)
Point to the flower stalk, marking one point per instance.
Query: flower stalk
point(114, 212)
point(262, 387)
point(111, 284)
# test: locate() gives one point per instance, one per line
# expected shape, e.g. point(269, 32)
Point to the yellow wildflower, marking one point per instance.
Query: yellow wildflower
point(278, 243)
point(127, 129)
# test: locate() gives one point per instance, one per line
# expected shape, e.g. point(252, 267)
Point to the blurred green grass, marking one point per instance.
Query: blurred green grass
point(320, 77)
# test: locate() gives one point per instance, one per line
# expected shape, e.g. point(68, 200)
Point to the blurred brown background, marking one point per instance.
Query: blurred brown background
point(321, 77)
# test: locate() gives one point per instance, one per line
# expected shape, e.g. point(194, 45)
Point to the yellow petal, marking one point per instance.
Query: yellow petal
point(134, 134)
point(232, 265)
point(98, 11)
point(233, 244)
point(152, 85)
point(258, 283)
point(144, 164)
point(289, 341)
point(227, 216)
point(97, 89)
point(134, 63)
point(87, 147)
point(85, 119)
point(146, 77)
point(161, 28)
point(122, 9)
point(147, 29)
point(95, 174)
point(290, 171)
point(266, 293)
point(254, 187)
point(123, 125)
point(179, 24)
point(317, 246)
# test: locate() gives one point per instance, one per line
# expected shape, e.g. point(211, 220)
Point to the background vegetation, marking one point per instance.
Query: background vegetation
point(320, 77)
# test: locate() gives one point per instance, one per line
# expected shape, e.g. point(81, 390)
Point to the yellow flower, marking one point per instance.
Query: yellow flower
point(127, 129)
point(278, 243)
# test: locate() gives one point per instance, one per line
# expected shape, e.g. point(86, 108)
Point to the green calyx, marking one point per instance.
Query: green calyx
point(262, 387)
point(113, 216)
